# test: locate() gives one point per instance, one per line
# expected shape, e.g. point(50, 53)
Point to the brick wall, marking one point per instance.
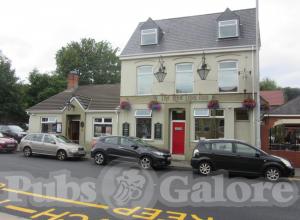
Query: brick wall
point(293, 156)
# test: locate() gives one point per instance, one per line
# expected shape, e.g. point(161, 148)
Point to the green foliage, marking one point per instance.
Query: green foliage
point(42, 86)
point(11, 108)
point(291, 93)
point(97, 62)
point(268, 84)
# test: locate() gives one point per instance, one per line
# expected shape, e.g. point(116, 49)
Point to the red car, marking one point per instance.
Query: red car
point(7, 144)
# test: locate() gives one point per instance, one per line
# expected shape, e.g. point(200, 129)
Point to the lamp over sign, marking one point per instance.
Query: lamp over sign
point(161, 73)
point(204, 70)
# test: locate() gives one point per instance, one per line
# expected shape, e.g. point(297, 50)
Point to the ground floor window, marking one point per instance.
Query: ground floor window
point(209, 123)
point(49, 124)
point(143, 123)
point(143, 128)
point(102, 126)
point(285, 137)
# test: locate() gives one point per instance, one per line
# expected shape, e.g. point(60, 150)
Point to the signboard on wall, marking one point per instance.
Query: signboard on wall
point(125, 130)
point(158, 131)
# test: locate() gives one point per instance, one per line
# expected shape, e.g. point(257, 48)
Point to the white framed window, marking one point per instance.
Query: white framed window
point(143, 113)
point(184, 78)
point(228, 28)
point(228, 76)
point(209, 125)
point(144, 80)
point(149, 36)
point(143, 123)
point(102, 126)
point(49, 124)
point(201, 112)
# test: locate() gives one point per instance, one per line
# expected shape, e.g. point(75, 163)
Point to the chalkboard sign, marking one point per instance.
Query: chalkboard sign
point(126, 129)
point(158, 131)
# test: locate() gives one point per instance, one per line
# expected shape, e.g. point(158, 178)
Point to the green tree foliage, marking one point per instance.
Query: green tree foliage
point(268, 84)
point(11, 107)
point(97, 62)
point(291, 93)
point(42, 86)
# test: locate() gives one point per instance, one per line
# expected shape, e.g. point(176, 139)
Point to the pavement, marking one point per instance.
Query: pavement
point(4, 216)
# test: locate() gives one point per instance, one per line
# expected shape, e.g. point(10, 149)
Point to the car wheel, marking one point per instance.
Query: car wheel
point(272, 174)
point(100, 158)
point(146, 162)
point(61, 155)
point(27, 151)
point(205, 168)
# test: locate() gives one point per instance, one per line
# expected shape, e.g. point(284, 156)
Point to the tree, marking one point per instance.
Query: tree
point(291, 93)
point(96, 62)
point(42, 86)
point(11, 108)
point(268, 84)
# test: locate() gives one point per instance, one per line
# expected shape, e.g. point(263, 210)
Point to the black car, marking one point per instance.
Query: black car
point(13, 131)
point(238, 157)
point(129, 149)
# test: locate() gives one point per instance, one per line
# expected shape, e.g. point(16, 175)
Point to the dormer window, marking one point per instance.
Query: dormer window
point(228, 29)
point(149, 36)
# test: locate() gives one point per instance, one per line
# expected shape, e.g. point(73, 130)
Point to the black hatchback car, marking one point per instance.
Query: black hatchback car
point(129, 149)
point(238, 157)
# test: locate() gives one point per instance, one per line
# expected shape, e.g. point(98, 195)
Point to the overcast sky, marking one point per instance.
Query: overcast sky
point(32, 31)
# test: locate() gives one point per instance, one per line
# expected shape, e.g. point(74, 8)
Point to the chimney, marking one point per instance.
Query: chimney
point(73, 79)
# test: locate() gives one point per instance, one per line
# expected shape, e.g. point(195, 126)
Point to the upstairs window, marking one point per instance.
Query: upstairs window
point(184, 78)
point(144, 80)
point(149, 36)
point(228, 28)
point(228, 76)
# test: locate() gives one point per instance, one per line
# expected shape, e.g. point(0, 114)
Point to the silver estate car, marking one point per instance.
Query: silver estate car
point(50, 144)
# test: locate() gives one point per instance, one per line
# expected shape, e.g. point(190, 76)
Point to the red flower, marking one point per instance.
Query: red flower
point(249, 103)
point(154, 105)
point(125, 105)
point(213, 104)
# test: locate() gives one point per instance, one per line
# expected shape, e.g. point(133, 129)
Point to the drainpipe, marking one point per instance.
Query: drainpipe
point(117, 113)
point(258, 144)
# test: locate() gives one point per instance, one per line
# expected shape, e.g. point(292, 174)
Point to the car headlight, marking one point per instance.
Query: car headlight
point(73, 150)
point(286, 162)
point(158, 153)
point(195, 152)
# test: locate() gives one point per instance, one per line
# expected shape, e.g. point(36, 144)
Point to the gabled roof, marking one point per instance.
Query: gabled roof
point(91, 97)
point(290, 108)
point(274, 98)
point(227, 15)
point(149, 24)
point(194, 33)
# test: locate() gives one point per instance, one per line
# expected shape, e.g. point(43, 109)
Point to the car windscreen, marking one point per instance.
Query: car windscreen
point(15, 128)
point(63, 139)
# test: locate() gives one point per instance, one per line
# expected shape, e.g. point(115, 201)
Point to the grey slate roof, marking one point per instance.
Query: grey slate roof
point(290, 108)
point(91, 97)
point(194, 32)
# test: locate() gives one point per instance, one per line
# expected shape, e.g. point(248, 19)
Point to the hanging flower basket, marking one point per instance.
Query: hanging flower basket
point(249, 103)
point(154, 105)
point(125, 105)
point(213, 104)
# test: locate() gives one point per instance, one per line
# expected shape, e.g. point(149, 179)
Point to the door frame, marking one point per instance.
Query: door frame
point(171, 141)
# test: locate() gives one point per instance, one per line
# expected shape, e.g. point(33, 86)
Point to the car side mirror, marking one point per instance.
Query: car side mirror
point(257, 154)
point(134, 146)
point(52, 142)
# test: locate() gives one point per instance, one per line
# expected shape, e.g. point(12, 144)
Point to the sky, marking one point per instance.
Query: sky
point(32, 31)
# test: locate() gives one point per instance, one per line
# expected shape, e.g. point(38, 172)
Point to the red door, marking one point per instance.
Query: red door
point(178, 131)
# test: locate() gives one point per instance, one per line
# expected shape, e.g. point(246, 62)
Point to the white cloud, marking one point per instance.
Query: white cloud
point(33, 30)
